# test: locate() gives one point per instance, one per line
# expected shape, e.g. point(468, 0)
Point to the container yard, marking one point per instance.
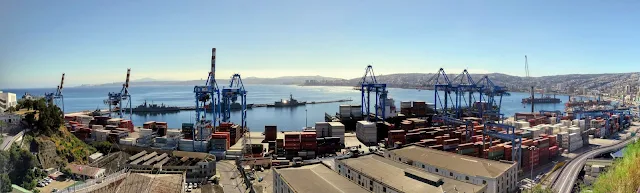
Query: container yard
point(475, 130)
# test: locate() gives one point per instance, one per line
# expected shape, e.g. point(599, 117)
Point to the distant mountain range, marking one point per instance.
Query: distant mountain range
point(286, 80)
point(613, 83)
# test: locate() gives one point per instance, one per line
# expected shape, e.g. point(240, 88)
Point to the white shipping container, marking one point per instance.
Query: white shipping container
point(366, 131)
point(405, 104)
point(345, 110)
point(356, 110)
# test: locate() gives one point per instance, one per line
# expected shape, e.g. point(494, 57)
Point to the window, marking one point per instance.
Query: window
point(371, 188)
point(422, 166)
point(466, 177)
point(400, 159)
point(348, 171)
point(450, 173)
point(436, 169)
point(371, 183)
point(484, 182)
point(384, 189)
point(358, 176)
point(339, 166)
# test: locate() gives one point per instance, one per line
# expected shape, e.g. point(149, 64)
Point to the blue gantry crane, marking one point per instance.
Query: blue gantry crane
point(116, 100)
point(464, 89)
point(440, 82)
point(489, 91)
point(229, 96)
point(57, 98)
point(207, 103)
point(369, 84)
point(510, 135)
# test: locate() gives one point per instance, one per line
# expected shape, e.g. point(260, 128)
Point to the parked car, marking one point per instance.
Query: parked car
point(40, 184)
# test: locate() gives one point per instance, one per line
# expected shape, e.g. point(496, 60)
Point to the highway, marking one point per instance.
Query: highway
point(566, 179)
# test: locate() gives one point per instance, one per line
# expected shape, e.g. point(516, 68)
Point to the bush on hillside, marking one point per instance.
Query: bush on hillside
point(624, 176)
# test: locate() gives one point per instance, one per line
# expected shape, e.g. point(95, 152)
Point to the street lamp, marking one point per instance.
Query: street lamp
point(531, 149)
point(306, 124)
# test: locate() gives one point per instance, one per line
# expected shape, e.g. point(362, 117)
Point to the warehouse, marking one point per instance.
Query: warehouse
point(499, 176)
point(380, 175)
point(311, 178)
point(196, 165)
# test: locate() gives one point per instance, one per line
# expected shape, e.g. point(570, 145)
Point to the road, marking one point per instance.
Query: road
point(8, 140)
point(566, 179)
point(230, 178)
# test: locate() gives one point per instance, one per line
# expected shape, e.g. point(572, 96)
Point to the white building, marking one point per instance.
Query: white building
point(10, 118)
point(315, 178)
point(380, 175)
point(499, 176)
point(7, 100)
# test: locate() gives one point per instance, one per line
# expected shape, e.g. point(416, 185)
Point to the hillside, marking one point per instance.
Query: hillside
point(575, 84)
point(624, 176)
point(570, 83)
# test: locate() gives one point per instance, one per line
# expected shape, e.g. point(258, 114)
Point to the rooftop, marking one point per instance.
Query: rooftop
point(144, 182)
point(463, 164)
point(84, 170)
point(317, 178)
point(404, 177)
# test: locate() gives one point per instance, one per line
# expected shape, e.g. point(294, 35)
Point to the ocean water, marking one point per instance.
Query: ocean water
point(90, 98)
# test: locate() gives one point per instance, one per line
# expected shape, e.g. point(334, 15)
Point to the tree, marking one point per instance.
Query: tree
point(30, 118)
point(50, 117)
point(104, 147)
point(11, 110)
point(5, 183)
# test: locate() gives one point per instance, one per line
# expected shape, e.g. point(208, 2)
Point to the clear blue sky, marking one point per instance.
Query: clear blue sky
point(95, 41)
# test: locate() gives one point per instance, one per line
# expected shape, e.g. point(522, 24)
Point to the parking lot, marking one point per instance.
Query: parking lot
point(56, 185)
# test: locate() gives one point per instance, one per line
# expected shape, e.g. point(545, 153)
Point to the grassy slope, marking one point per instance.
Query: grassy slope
point(624, 176)
point(68, 145)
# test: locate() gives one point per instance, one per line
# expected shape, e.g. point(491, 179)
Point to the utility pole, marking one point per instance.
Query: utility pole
point(306, 120)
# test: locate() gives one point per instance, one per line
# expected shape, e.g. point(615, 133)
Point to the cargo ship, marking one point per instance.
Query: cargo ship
point(291, 102)
point(541, 100)
point(144, 107)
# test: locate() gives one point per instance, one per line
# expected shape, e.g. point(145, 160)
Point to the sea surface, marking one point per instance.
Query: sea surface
point(89, 98)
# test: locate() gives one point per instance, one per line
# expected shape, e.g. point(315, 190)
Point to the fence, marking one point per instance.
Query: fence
point(94, 184)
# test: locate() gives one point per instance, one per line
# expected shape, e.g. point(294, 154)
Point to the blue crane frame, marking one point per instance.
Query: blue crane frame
point(230, 95)
point(57, 98)
point(203, 94)
point(116, 98)
point(454, 121)
point(445, 86)
point(516, 141)
point(465, 85)
point(489, 90)
point(380, 90)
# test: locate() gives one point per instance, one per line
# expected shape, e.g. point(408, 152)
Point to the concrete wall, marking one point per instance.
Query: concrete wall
point(362, 180)
point(505, 183)
point(279, 185)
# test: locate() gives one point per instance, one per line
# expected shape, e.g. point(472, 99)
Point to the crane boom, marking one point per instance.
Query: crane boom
point(126, 83)
point(526, 67)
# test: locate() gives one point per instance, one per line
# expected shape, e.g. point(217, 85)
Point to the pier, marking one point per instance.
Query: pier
point(191, 108)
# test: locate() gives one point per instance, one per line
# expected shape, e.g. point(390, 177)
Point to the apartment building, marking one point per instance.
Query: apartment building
point(498, 176)
point(7, 100)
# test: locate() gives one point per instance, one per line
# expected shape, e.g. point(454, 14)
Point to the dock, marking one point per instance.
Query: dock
point(192, 108)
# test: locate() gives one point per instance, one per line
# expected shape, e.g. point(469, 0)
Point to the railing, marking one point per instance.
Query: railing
point(94, 184)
